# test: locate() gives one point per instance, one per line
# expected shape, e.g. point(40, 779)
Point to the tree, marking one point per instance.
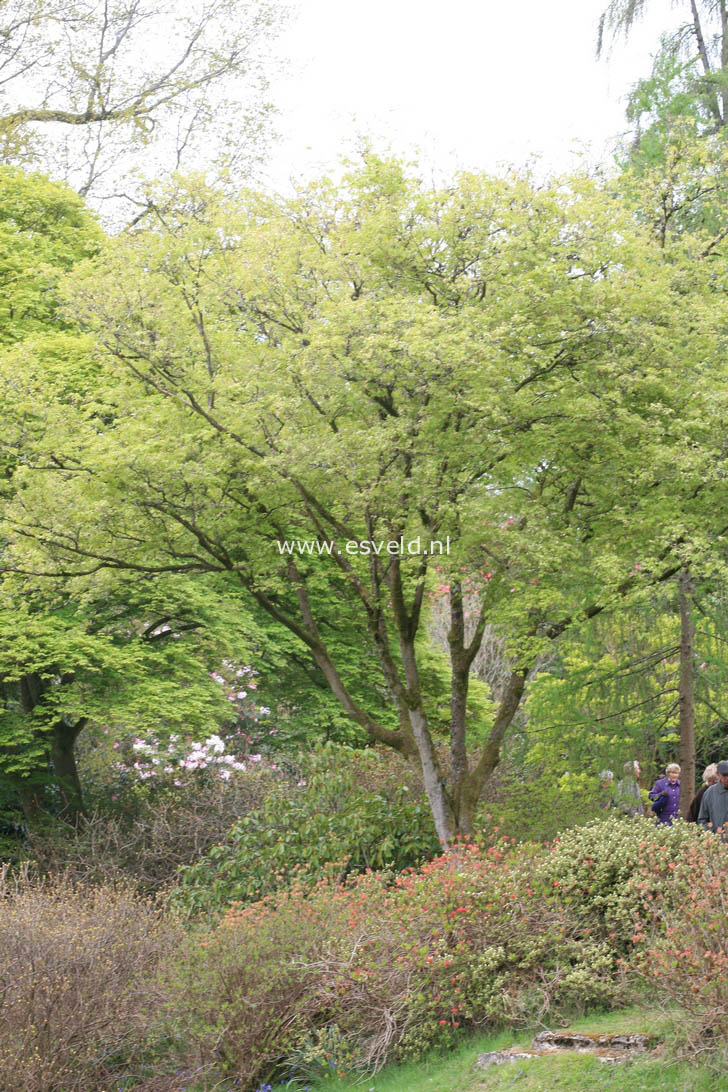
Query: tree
point(70, 656)
point(495, 368)
point(704, 38)
point(680, 115)
point(95, 89)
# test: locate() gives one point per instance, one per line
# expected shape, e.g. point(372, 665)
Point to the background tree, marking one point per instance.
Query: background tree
point(678, 155)
point(702, 39)
point(105, 652)
point(99, 92)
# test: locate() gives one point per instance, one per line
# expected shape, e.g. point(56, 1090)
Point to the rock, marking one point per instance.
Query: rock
point(500, 1057)
point(568, 1040)
point(607, 1048)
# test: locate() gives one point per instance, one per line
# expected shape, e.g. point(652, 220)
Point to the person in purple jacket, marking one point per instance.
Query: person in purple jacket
point(665, 795)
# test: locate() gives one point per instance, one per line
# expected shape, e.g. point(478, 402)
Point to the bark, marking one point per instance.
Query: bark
point(434, 782)
point(458, 692)
point(309, 633)
point(490, 757)
point(63, 743)
point(461, 660)
point(723, 57)
point(713, 101)
point(446, 824)
point(686, 697)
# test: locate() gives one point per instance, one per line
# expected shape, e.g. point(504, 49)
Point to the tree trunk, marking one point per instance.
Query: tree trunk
point(63, 742)
point(446, 824)
point(724, 58)
point(686, 700)
point(490, 757)
point(712, 91)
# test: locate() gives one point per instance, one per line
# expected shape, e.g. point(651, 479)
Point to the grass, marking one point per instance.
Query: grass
point(457, 1071)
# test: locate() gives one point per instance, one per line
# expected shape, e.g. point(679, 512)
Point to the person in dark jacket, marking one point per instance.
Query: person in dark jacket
point(665, 795)
point(713, 813)
point(710, 776)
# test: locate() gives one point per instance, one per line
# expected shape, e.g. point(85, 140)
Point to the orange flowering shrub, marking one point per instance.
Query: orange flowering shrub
point(395, 964)
point(682, 942)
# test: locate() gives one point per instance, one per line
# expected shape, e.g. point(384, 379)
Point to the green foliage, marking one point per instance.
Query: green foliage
point(44, 229)
point(512, 365)
point(535, 801)
point(345, 811)
point(609, 695)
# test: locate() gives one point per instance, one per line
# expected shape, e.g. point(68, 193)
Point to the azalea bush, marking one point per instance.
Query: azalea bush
point(339, 812)
point(682, 943)
point(386, 966)
point(616, 870)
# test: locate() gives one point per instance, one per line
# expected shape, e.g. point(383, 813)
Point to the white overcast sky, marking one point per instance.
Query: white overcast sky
point(466, 83)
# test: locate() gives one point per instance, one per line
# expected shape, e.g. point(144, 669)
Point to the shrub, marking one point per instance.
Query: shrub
point(600, 869)
point(150, 831)
point(347, 811)
point(682, 945)
point(384, 967)
point(76, 983)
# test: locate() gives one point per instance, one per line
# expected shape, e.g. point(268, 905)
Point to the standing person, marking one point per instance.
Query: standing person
point(606, 790)
point(710, 776)
point(627, 796)
point(665, 794)
point(713, 814)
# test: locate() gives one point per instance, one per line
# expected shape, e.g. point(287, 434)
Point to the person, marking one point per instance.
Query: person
point(665, 795)
point(606, 788)
point(713, 813)
point(710, 776)
point(627, 796)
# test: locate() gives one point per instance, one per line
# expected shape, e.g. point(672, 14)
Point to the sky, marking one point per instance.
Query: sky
point(459, 83)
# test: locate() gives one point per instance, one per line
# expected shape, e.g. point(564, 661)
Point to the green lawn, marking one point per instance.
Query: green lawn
point(457, 1072)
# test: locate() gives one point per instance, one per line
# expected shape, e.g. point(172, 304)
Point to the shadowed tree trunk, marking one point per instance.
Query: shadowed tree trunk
point(63, 742)
point(686, 699)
